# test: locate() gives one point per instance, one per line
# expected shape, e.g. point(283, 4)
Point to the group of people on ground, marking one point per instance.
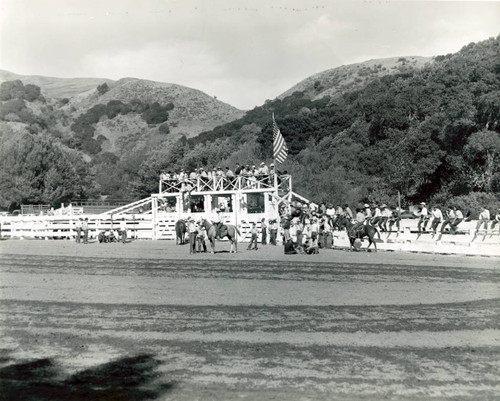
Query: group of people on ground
point(110, 235)
point(251, 176)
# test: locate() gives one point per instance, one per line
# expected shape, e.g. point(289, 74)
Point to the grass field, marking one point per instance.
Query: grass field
point(145, 320)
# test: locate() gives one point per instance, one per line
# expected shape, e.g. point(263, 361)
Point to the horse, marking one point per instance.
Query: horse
point(228, 230)
point(360, 232)
point(180, 232)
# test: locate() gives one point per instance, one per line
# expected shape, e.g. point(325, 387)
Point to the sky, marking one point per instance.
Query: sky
point(242, 51)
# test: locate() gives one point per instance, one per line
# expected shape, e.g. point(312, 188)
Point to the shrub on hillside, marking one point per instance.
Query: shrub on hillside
point(10, 90)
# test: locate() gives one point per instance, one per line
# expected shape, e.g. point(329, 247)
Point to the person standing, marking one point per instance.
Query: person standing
point(78, 228)
point(273, 231)
point(263, 227)
point(85, 228)
point(253, 241)
point(123, 230)
point(193, 232)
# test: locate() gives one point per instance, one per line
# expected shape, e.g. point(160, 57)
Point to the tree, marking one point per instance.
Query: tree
point(483, 153)
point(103, 88)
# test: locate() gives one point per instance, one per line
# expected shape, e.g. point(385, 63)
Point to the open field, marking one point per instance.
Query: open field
point(146, 320)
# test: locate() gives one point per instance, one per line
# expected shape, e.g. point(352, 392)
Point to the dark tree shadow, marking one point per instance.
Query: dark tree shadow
point(129, 378)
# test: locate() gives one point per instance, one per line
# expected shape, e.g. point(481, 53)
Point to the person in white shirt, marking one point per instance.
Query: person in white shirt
point(484, 218)
point(423, 218)
point(377, 216)
point(368, 211)
point(123, 230)
point(437, 218)
point(384, 218)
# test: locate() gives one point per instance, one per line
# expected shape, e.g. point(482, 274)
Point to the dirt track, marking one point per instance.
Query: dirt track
point(255, 325)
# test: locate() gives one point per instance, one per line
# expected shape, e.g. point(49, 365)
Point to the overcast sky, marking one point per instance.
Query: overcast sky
point(242, 51)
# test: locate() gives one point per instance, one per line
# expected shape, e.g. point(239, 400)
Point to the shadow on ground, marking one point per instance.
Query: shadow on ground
point(128, 378)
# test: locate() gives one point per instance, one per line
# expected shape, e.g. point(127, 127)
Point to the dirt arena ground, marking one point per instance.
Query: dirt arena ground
point(146, 320)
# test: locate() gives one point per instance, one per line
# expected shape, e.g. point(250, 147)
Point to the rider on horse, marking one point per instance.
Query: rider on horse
point(217, 222)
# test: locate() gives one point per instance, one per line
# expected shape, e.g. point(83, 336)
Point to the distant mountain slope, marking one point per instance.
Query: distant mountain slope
point(335, 81)
point(56, 87)
point(194, 111)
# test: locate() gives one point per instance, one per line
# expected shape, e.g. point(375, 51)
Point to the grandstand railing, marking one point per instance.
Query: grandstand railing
point(216, 184)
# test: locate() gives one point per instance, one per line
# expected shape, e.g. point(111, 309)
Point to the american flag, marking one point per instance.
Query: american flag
point(280, 151)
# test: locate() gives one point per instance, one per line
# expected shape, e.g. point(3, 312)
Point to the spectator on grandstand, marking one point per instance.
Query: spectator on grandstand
point(437, 218)
point(237, 170)
point(272, 173)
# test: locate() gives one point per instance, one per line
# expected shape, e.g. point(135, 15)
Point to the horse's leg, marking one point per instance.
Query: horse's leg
point(212, 243)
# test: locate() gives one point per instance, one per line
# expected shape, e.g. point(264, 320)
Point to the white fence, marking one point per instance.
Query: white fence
point(141, 226)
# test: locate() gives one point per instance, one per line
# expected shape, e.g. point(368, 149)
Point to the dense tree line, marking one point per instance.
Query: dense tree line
point(33, 169)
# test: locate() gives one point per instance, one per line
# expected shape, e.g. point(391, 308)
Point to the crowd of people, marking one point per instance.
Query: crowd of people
point(308, 227)
point(248, 176)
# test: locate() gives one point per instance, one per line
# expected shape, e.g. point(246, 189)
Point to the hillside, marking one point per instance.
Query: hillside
point(335, 81)
point(56, 87)
point(104, 132)
point(193, 112)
